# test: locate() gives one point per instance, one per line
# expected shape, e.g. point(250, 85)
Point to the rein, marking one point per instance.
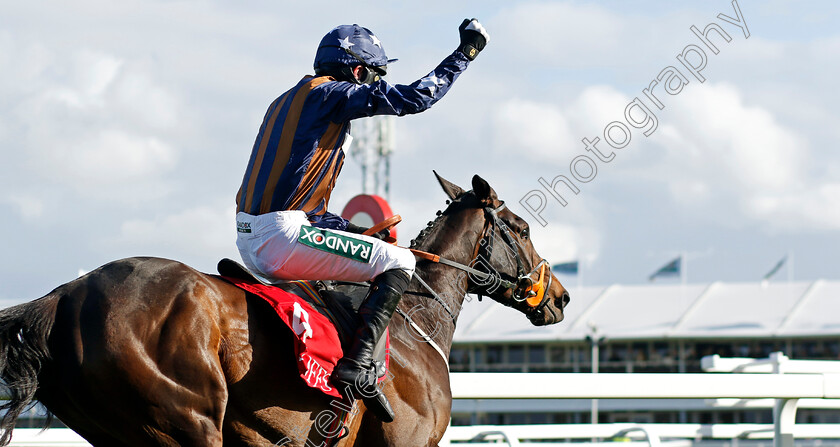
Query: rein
point(478, 273)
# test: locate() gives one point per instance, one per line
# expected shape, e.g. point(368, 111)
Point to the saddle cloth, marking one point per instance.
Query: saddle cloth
point(322, 320)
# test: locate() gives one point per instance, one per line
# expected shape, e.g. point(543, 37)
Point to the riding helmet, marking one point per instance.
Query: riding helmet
point(349, 45)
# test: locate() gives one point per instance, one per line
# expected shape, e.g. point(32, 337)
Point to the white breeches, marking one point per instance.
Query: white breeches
point(283, 245)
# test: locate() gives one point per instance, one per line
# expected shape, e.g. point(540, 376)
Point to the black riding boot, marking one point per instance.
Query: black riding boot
point(356, 369)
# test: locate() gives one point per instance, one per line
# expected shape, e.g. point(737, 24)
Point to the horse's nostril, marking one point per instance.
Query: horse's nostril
point(564, 299)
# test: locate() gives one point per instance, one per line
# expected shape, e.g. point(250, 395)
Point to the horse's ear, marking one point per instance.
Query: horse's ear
point(452, 190)
point(481, 188)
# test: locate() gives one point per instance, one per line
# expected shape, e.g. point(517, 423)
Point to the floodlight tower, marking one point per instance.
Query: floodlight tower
point(373, 143)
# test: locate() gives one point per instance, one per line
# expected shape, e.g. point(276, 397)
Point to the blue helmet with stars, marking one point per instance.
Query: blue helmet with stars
point(350, 45)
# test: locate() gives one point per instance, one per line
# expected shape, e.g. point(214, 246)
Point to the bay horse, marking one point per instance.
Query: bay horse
point(149, 352)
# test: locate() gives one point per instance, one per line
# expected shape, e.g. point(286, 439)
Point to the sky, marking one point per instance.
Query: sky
point(125, 128)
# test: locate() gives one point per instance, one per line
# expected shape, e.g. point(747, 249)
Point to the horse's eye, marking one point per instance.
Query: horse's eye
point(525, 234)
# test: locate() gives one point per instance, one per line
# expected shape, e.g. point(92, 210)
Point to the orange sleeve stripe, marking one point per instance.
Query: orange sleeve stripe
point(332, 182)
point(316, 166)
point(284, 148)
point(269, 126)
point(324, 189)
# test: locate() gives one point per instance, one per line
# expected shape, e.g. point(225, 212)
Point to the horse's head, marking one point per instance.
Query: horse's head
point(514, 274)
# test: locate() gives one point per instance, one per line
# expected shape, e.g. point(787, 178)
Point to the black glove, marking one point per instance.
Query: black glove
point(353, 228)
point(473, 38)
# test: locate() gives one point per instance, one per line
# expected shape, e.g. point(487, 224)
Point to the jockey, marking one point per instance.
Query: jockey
point(284, 229)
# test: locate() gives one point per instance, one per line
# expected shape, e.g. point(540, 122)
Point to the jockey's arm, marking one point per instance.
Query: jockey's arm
point(345, 101)
point(381, 98)
point(348, 101)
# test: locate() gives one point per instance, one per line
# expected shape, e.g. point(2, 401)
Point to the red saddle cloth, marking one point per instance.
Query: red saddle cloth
point(317, 345)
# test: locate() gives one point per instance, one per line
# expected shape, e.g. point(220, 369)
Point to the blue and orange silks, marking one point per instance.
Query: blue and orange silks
point(298, 154)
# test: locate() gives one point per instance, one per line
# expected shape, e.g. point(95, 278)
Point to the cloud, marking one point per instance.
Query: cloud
point(201, 232)
point(548, 133)
point(730, 161)
point(736, 162)
point(742, 142)
point(597, 106)
point(143, 101)
point(817, 209)
point(534, 130)
point(110, 111)
point(563, 242)
point(91, 122)
point(29, 207)
point(110, 158)
point(545, 32)
point(88, 78)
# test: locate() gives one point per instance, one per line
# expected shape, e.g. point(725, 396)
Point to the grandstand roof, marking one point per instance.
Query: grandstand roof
point(656, 311)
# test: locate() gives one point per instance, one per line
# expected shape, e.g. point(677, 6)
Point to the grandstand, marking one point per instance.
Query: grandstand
point(655, 328)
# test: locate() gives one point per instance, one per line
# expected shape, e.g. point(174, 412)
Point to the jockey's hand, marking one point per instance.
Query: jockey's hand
point(382, 234)
point(353, 228)
point(473, 38)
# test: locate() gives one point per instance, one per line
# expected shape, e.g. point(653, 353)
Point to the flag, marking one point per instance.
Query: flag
point(775, 269)
point(566, 268)
point(672, 268)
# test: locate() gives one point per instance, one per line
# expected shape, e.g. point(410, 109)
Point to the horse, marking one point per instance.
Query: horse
point(150, 352)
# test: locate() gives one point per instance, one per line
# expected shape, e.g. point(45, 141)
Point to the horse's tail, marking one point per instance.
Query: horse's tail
point(24, 330)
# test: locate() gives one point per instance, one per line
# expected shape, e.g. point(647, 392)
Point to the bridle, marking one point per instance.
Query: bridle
point(525, 288)
point(485, 280)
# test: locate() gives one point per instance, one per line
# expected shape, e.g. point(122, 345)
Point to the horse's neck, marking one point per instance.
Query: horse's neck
point(449, 283)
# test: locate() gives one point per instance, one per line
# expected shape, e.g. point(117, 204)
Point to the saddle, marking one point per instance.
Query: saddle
point(338, 301)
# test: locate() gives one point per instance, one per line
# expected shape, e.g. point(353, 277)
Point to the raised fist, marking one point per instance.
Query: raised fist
point(473, 38)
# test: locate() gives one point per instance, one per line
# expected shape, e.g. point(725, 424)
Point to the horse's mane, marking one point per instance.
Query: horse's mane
point(417, 295)
point(453, 206)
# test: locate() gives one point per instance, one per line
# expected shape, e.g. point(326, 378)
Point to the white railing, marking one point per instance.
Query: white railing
point(786, 388)
point(776, 363)
point(643, 386)
point(649, 434)
point(53, 437)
